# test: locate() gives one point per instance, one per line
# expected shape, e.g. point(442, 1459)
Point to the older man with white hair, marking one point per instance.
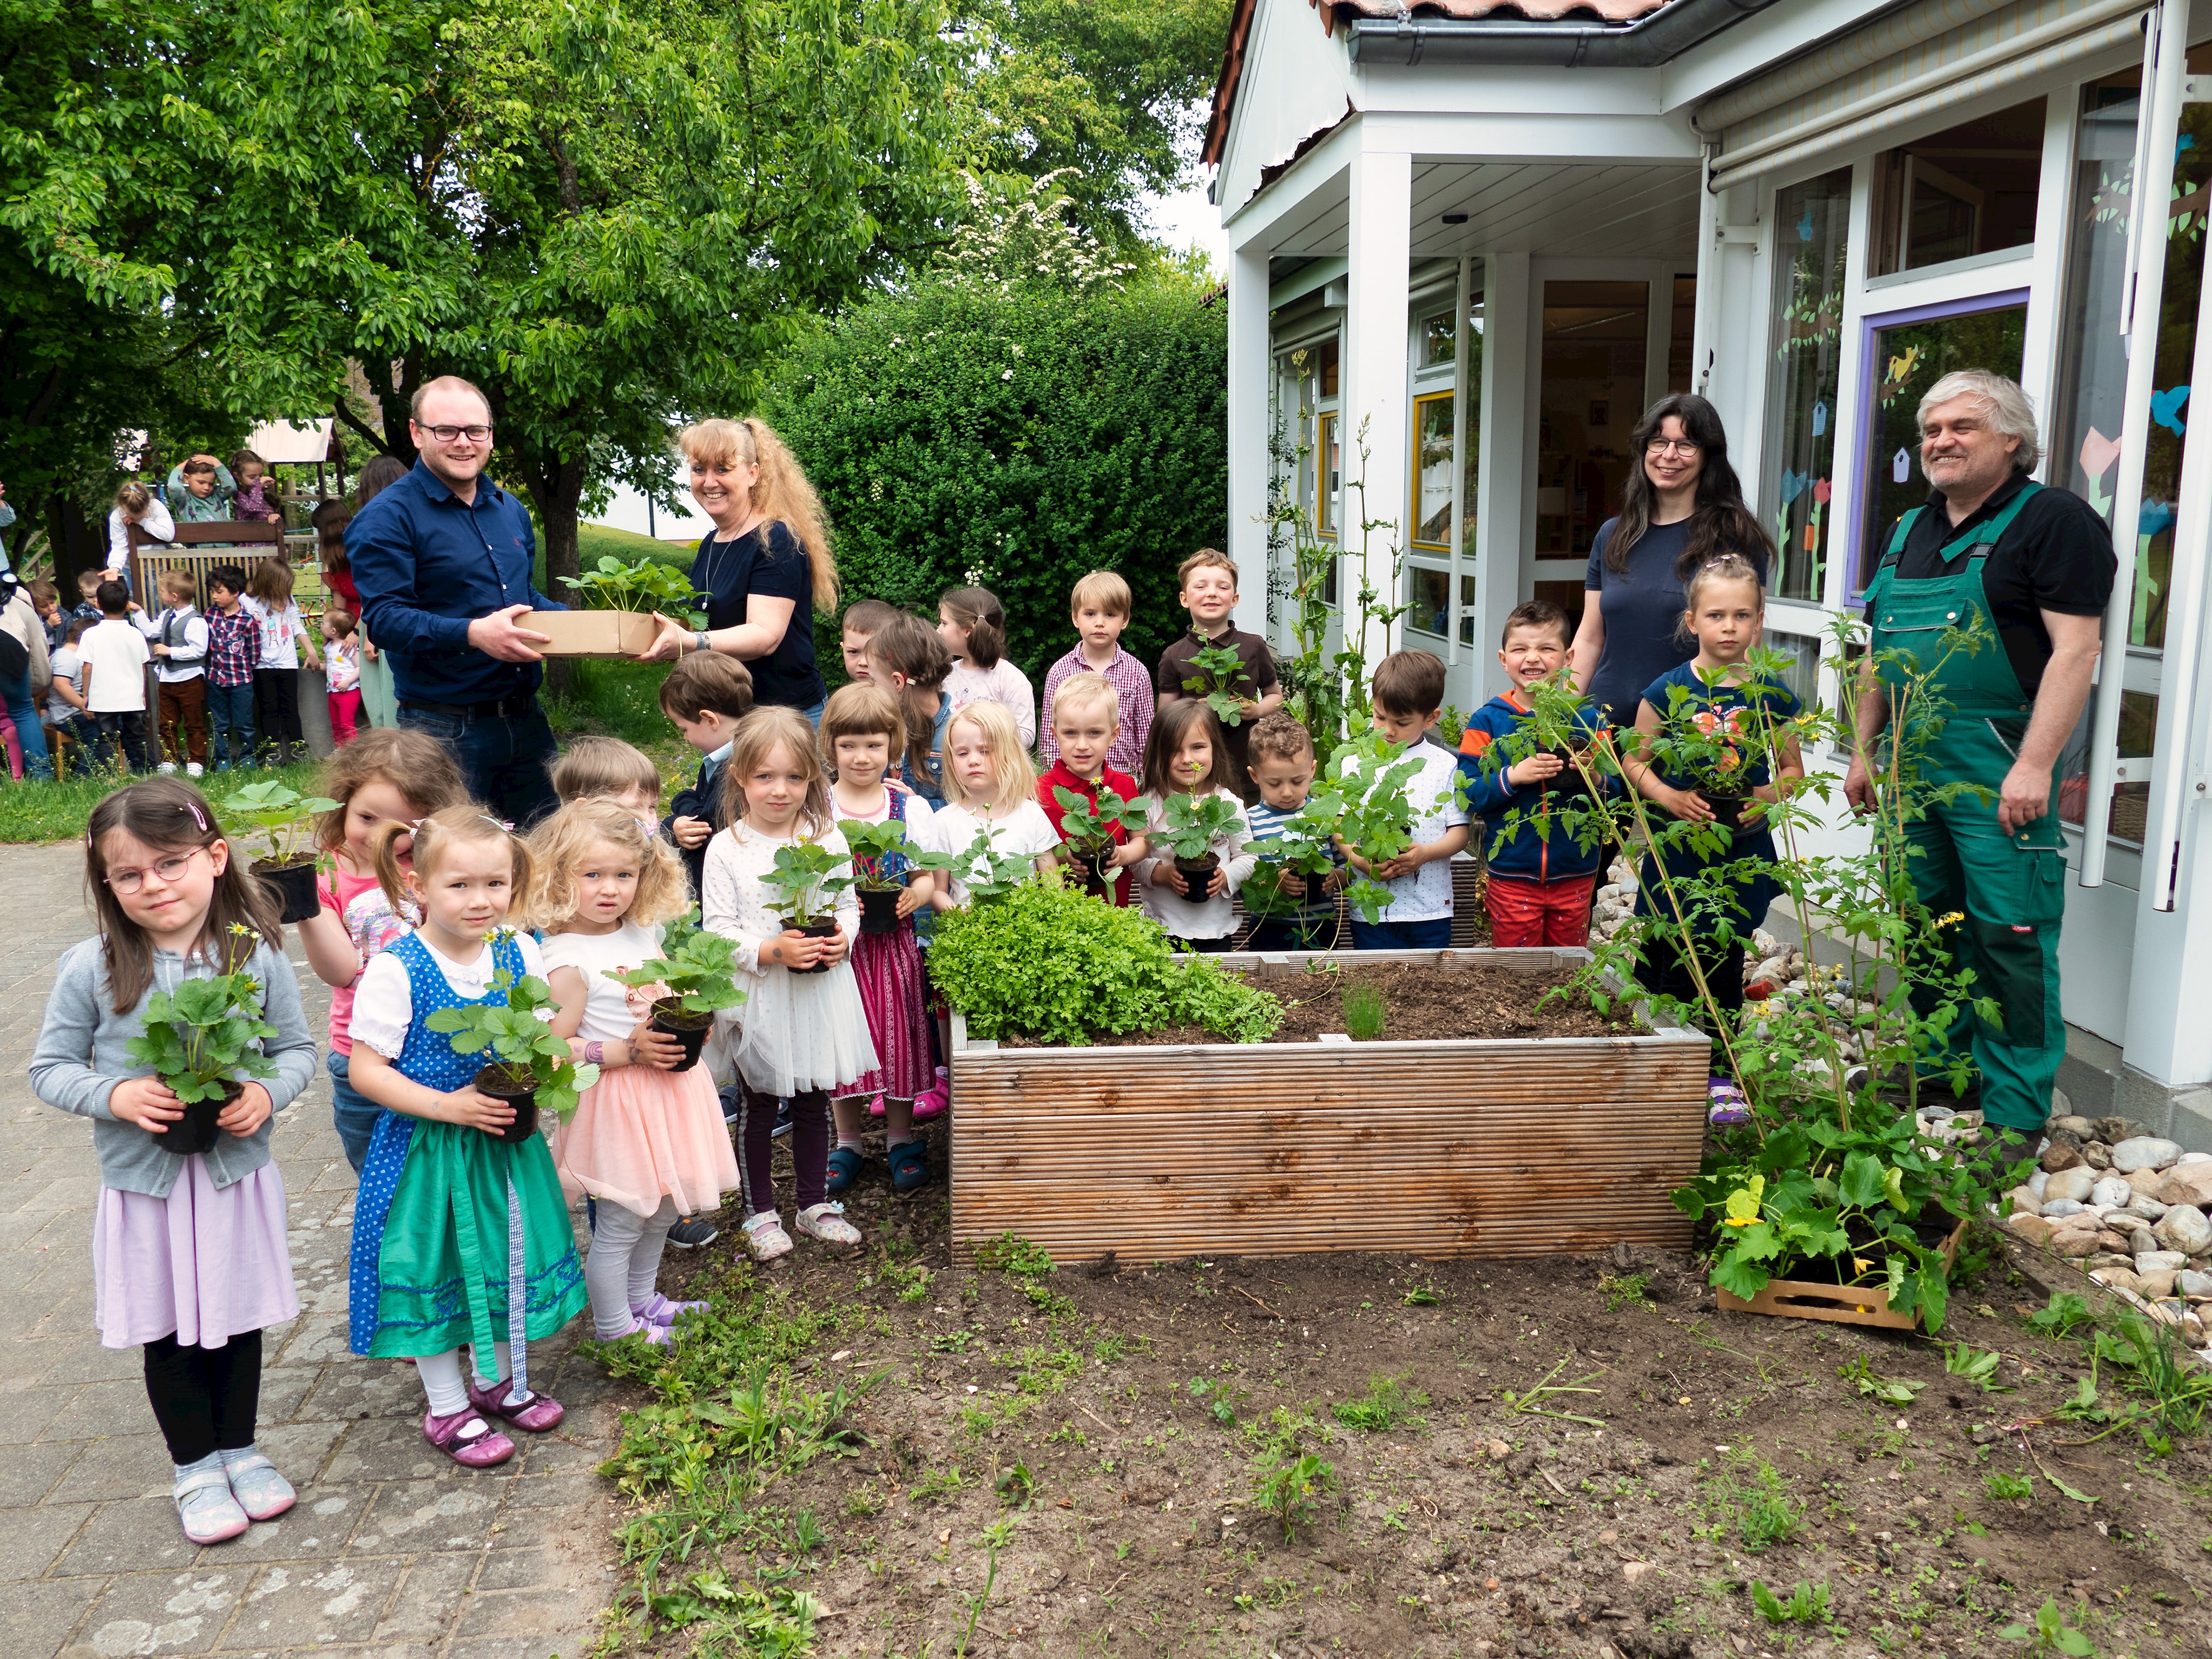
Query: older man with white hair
point(2032, 566)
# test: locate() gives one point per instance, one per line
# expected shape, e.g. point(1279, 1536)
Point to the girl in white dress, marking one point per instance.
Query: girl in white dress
point(802, 1034)
point(990, 789)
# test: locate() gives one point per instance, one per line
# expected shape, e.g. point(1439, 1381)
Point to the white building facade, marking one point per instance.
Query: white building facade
point(1469, 243)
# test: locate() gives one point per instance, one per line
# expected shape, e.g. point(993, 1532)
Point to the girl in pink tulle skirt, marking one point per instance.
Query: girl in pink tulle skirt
point(861, 730)
point(646, 1140)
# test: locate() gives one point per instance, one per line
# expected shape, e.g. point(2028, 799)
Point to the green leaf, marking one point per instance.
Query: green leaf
point(1863, 1182)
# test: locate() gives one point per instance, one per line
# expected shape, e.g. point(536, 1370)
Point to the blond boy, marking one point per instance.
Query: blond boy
point(1099, 608)
point(1085, 726)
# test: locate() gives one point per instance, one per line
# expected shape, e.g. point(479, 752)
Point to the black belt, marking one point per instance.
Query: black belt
point(505, 708)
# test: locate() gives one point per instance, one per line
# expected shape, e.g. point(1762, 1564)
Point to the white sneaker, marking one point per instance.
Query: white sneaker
point(763, 1236)
point(827, 1223)
point(194, 770)
point(166, 765)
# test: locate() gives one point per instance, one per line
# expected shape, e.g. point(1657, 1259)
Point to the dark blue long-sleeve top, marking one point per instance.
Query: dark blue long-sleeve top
point(427, 564)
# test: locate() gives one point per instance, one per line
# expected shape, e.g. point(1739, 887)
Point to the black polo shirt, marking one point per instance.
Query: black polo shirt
point(2056, 555)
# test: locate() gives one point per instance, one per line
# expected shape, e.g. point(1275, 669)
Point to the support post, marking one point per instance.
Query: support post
point(1250, 409)
point(1463, 326)
point(1510, 316)
point(1376, 406)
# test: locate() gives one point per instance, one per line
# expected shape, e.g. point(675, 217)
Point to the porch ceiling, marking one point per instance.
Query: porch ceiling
point(1628, 210)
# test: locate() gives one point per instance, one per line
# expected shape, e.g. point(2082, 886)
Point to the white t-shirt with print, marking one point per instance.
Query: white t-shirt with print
point(279, 632)
point(384, 1003)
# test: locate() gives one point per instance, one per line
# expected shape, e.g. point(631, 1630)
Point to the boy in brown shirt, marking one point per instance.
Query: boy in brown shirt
point(1209, 593)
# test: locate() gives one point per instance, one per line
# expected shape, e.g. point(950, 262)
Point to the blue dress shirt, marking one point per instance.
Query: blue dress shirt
point(428, 565)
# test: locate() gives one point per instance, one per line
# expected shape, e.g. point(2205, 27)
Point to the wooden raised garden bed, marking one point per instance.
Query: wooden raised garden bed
point(1478, 1146)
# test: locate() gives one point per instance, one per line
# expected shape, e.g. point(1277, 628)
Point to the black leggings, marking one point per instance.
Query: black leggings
point(204, 1399)
point(810, 1148)
point(276, 704)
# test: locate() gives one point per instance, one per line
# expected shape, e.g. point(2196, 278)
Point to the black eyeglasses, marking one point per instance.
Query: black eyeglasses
point(447, 434)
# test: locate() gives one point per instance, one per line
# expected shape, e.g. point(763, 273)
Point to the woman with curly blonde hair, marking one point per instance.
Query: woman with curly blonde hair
point(646, 1139)
point(765, 569)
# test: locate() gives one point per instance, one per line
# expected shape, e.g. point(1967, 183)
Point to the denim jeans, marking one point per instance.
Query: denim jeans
point(353, 1114)
point(1317, 933)
point(16, 693)
point(503, 762)
point(230, 722)
point(1431, 935)
point(122, 731)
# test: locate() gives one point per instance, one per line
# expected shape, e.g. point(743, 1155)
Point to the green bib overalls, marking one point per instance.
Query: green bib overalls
point(2008, 888)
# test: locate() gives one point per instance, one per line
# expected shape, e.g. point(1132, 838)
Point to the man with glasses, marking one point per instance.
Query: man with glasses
point(443, 559)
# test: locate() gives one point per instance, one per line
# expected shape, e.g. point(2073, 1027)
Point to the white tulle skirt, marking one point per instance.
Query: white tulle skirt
point(796, 1032)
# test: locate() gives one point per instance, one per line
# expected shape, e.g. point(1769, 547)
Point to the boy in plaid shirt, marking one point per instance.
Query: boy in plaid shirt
point(233, 646)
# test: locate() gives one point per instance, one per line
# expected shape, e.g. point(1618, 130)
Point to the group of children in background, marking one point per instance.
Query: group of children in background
point(432, 904)
point(227, 666)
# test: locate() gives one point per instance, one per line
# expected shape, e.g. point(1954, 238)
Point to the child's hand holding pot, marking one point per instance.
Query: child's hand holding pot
point(247, 1113)
point(473, 1109)
point(654, 1048)
point(1534, 770)
point(146, 1102)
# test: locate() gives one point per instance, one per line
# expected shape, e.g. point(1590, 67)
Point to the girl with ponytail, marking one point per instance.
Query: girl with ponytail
point(973, 625)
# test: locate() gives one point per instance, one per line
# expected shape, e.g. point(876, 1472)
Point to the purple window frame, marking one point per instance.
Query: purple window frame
point(1861, 460)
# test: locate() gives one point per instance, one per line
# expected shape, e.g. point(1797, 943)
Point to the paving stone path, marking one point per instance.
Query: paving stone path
point(392, 1550)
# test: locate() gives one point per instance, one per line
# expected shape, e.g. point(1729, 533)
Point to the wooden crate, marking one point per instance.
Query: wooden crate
point(1839, 1304)
point(1494, 1148)
point(591, 633)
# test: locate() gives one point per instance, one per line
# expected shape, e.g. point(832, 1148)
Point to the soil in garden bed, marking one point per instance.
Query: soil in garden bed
point(1724, 1448)
point(1421, 1003)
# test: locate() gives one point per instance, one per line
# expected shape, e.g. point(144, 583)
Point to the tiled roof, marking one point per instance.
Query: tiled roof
point(1329, 11)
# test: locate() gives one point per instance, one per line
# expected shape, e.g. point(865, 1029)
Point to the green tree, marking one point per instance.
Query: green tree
point(1018, 435)
point(1113, 89)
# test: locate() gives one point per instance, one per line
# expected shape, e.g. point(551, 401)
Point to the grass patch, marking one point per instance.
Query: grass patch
point(1391, 1402)
point(1748, 1497)
point(59, 810)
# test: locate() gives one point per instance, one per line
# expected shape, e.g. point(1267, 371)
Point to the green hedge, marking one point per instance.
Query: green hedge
point(1026, 436)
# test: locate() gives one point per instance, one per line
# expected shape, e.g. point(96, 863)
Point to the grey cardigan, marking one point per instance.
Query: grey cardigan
point(83, 1054)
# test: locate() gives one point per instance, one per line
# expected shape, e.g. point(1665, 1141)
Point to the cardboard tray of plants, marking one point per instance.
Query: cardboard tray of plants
point(591, 633)
point(1840, 1304)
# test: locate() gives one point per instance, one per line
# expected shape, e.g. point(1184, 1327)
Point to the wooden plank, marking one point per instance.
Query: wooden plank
point(1479, 1147)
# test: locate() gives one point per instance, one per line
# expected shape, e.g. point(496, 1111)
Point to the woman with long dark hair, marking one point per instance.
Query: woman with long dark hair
point(1681, 507)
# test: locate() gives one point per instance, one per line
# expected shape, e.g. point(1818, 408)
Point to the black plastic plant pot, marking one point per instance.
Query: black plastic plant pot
point(1728, 810)
point(295, 888)
point(1098, 874)
point(879, 909)
point(1567, 781)
point(825, 928)
point(1198, 871)
point(501, 1083)
point(670, 1019)
point(196, 1131)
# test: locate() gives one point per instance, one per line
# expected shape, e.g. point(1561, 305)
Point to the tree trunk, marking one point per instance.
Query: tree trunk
point(556, 487)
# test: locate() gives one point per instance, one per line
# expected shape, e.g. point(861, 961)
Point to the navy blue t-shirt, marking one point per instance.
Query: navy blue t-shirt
point(1643, 611)
point(771, 562)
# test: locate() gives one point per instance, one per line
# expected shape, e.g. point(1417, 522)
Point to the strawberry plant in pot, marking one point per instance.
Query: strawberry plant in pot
point(283, 818)
point(985, 873)
point(879, 871)
point(1215, 671)
point(807, 879)
point(697, 972)
point(203, 1040)
point(526, 1064)
point(645, 585)
point(1192, 829)
point(1089, 830)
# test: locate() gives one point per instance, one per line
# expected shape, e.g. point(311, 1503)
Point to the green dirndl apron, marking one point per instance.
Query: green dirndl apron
point(2007, 889)
point(475, 1244)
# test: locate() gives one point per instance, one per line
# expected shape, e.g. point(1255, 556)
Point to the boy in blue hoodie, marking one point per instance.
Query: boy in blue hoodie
point(1540, 886)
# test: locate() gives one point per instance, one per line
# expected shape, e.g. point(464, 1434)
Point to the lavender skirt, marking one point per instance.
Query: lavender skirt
point(204, 1264)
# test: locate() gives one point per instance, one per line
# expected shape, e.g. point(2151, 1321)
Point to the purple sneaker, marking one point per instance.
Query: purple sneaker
point(1726, 1102)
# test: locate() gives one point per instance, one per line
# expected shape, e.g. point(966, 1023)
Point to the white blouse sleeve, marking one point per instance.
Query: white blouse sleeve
point(383, 1006)
point(720, 901)
point(1237, 859)
point(1022, 701)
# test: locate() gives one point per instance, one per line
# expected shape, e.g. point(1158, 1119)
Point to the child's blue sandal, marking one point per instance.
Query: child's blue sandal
point(262, 1493)
point(909, 1161)
point(844, 1169)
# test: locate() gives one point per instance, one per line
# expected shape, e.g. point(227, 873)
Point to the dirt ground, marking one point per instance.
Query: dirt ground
point(1419, 1004)
point(1109, 1422)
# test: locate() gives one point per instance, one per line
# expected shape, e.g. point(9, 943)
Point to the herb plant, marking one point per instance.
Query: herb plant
point(280, 815)
point(699, 970)
point(644, 586)
point(806, 880)
point(1368, 793)
point(1215, 671)
point(204, 1035)
point(515, 1034)
point(1052, 963)
point(1364, 1012)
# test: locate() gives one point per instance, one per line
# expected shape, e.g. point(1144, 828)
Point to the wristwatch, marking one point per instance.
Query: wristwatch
point(700, 642)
